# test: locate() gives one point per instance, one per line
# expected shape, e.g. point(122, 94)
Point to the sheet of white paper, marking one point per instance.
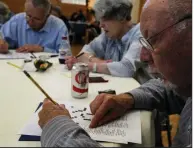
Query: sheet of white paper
point(124, 130)
point(29, 67)
point(65, 72)
point(15, 55)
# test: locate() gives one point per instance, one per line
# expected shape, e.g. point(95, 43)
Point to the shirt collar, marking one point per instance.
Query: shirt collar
point(46, 27)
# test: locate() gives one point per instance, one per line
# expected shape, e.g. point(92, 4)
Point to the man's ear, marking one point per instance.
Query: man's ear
point(157, 51)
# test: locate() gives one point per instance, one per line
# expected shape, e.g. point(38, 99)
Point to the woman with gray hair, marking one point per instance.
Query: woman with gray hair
point(5, 13)
point(116, 51)
point(113, 9)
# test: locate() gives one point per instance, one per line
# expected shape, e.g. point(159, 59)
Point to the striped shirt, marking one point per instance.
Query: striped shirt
point(63, 132)
point(155, 95)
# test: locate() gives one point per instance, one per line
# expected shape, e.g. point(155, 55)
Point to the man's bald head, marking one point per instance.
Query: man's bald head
point(173, 47)
point(179, 8)
point(37, 13)
point(161, 13)
point(45, 4)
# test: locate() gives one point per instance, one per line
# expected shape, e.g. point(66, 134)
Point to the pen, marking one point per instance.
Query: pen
point(39, 87)
point(35, 83)
point(33, 56)
point(54, 55)
point(44, 57)
point(79, 55)
point(14, 65)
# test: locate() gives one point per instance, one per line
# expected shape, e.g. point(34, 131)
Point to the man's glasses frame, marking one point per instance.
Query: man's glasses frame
point(28, 17)
point(146, 42)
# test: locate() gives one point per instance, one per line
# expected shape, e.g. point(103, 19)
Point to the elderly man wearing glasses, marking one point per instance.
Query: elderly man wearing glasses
point(33, 31)
point(166, 26)
point(117, 50)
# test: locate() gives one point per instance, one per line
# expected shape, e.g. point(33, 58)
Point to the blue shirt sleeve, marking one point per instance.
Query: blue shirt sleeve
point(9, 32)
point(17, 33)
point(129, 63)
point(63, 132)
point(97, 46)
point(63, 32)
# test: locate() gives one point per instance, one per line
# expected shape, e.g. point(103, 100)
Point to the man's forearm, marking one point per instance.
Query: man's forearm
point(156, 95)
point(63, 132)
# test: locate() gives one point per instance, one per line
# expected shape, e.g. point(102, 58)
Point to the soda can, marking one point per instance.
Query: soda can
point(80, 80)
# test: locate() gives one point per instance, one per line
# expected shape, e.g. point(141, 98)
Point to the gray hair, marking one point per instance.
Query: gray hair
point(4, 13)
point(113, 9)
point(178, 9)
point(42, 4)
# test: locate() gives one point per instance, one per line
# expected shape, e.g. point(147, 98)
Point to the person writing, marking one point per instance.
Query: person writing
point(166, 26)
point(116, 51)
point(33, 31)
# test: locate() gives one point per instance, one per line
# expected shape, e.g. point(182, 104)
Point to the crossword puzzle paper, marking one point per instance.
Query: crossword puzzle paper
point(124, 130)
point(14, 55)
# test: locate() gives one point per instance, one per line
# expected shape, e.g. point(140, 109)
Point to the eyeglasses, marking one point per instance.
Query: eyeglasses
point(34, 19)
point(146, 42)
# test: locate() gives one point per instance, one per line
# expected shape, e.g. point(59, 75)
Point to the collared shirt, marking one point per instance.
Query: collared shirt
point(156, 95)
point(124, 53)
point(63, 132)
point(18, 33)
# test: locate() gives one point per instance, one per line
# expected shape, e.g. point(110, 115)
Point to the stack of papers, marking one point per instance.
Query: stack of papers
point(124, 130)
point(15, 55)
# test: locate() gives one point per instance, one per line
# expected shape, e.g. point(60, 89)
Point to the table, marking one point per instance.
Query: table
point(20, 97)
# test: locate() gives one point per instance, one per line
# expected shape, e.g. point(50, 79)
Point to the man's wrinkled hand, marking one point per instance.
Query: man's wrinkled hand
point(3, 46)
point(69, 61)
point(107, 107)
point(50, 111)
point(30, 48)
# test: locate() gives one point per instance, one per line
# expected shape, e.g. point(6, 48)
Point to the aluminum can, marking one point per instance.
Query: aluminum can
point(79, 80)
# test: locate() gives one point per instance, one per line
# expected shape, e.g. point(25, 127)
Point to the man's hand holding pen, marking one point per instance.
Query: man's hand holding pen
point(50, 111)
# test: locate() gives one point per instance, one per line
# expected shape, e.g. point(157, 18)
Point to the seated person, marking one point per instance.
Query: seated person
point(74, 17)
point(5, 13)
point(56, 11)
point(170, 52)
point(116, 51)
point(33, 31)
point(80, 17)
